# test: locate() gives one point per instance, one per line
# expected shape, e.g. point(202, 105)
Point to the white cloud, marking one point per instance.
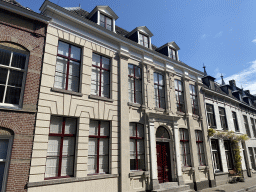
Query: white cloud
point(218, 34)
point(254, 40)
point(246, 78)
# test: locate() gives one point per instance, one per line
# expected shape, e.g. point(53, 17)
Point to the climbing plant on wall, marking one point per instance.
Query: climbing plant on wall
point(235, 139)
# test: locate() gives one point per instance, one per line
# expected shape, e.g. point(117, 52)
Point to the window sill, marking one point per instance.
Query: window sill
point(66, 91)
point(139, 173)
point(180, 113)
point(220, 173)
point(101, 98)
point(195, 116)
point(71, 179)
point(187, 169)
point(202, 167)
point(136, 105)
point(159, 109)
point(16, 109)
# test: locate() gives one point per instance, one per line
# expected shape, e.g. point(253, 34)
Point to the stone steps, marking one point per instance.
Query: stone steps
point(172, 187)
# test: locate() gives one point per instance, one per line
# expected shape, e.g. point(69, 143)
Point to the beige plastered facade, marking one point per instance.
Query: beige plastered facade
point(120, 112)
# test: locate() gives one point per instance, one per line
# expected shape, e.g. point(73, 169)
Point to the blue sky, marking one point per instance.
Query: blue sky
point(220, 33)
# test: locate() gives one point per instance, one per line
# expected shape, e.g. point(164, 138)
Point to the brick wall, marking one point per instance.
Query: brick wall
point(30, 35)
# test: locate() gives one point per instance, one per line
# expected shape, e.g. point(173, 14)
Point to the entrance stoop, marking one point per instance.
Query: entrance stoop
point(172, 187)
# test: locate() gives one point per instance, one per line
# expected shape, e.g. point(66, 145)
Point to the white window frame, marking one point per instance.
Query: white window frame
point(9, 105)
point(7, 160)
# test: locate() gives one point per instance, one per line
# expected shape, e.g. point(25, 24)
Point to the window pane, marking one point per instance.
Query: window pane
point(93, 130)
point(1, 93)
point(108, 21)
point(140, 146)
point(18, 60)
point(132, 129)
point(132, 149)
point(140, 129)
point(103, 147)
point(109, 27)
point(12, 95)
point(5, 56)
point(95, 81)
point(92, 147)
point(75, 53)
point(139, 97)
point(53, 146)
point(92, 163)
point(95, 59)
point(70, 126)
point(52, 164)
point(103, 164)
point(74, 68)
point(61, 65)
point(104, 128)
point(105, 63)
point(131, 90)
point(155, 78)
point(161, 79)
point(2, 165)
point(63, 48)
point(67, 166)
point(137, 72)
point(3, 75)
point(105, 91)
point(102, 18)
point(130, 70)
point(73, 83)
point(3, 148)
point(68, 146)
point(15, 78)
point(56, 124)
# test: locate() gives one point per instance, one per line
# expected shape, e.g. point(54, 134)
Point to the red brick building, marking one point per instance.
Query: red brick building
point(22, 38)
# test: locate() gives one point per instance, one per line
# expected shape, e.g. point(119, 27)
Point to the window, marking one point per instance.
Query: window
point(247, 126)
point(159, 90)
point(227, 147)
point(200, 148)
point(143, 40)
point(193, 97)
point(135, 88)
point(253, 127)
point(5, 150)
point(172, 53)
point(98, 155)
point(12, 75)
point(184, 145)
point(106, 22)
point(235, 121)
point(216, 155)
point(100, 79)
point(179, 95)
point(210, 115)
point(67, 72)
point(61, 148)
point(251, 157)
point(137, 154)
point(223, 120)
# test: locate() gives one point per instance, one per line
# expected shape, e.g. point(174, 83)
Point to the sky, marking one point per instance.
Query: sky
point(221, 34)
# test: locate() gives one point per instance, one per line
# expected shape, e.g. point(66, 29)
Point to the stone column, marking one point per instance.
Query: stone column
point(124, 124)
point(153, 159)
point(177, 152)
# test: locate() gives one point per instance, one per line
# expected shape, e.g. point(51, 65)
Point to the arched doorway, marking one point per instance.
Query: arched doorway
point(163, 155)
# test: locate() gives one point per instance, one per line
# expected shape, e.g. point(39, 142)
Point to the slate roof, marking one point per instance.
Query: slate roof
point(82, 13)
point(13, 2)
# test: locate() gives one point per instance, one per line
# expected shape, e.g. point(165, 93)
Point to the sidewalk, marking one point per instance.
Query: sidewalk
point(248, 185)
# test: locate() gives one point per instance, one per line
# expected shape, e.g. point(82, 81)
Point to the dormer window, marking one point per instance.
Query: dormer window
point(172, 53)
point(143, 40)
point(106, 22)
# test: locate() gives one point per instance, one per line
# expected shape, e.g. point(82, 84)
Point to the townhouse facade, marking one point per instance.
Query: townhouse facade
point(116, 113)
point(22, 36)
point(230, 108)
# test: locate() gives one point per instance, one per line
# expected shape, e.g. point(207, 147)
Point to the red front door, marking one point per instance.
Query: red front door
point(163, 162)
